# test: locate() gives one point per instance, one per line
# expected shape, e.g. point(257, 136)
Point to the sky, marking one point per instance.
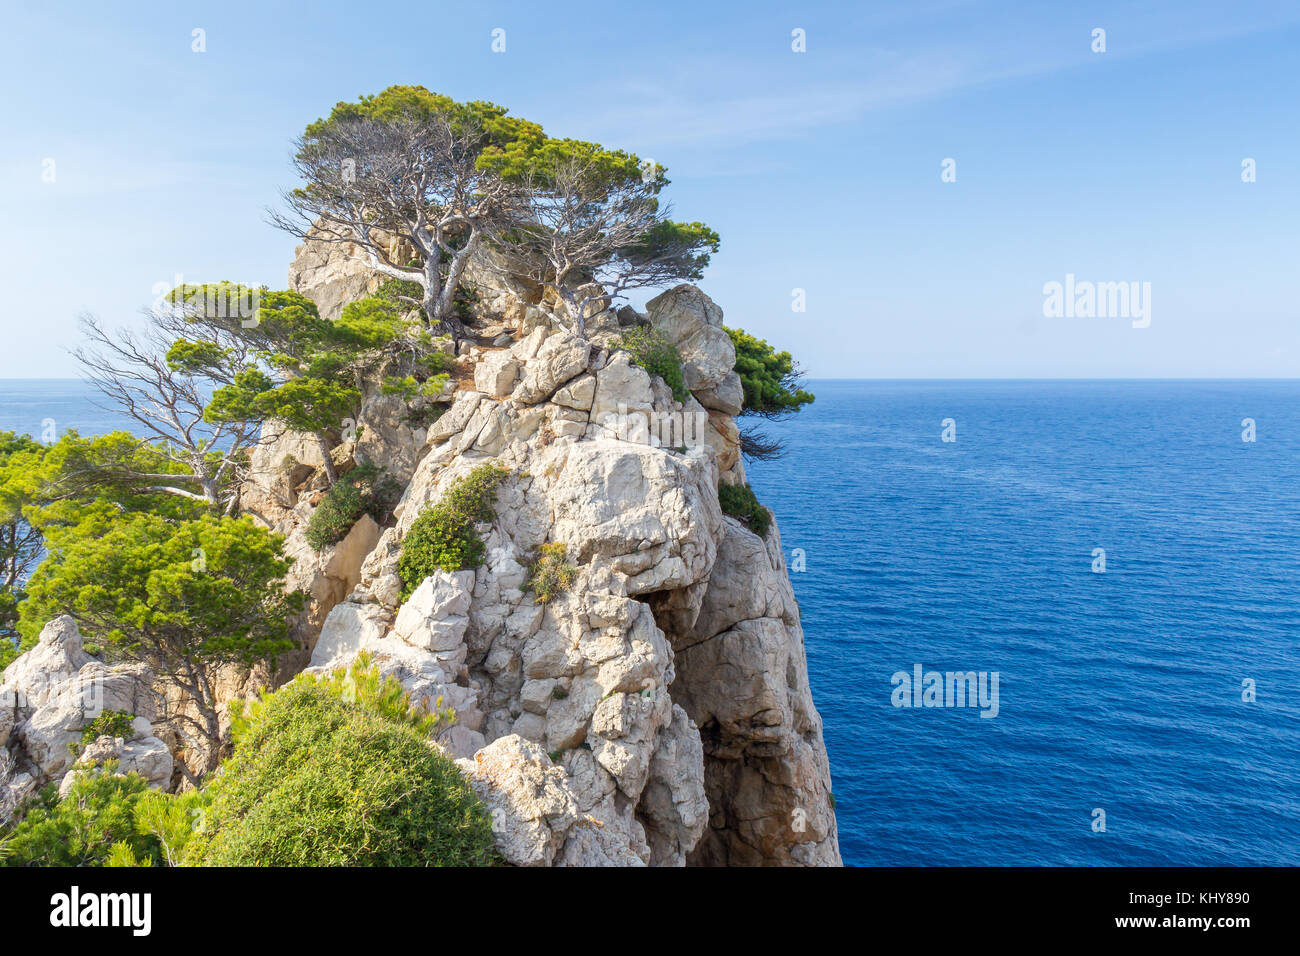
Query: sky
point(829, 172)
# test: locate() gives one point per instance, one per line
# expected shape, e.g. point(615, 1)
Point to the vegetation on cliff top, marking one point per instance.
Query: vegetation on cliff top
point(419, 182)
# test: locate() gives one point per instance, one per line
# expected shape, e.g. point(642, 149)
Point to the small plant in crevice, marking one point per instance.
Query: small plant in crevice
point(366, 489)
point(443, 537)
point(652, 351)
point(110, 723)
point(740, 502)
point(551, 572)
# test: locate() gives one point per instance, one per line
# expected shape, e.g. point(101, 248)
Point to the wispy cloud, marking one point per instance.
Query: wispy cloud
point(723, 102)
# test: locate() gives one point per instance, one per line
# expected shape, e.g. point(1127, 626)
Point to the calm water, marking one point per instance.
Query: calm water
point(1120, 691)
point(32, 405)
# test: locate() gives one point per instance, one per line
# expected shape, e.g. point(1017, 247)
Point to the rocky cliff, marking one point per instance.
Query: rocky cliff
point(657, 711)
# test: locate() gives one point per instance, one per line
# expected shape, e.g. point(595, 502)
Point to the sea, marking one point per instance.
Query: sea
point(1117, 564)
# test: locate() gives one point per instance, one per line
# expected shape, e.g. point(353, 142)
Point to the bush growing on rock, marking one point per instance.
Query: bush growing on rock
point(551, 572)
point(770, 379)
point(111, 723)
point(771, 382)
point(99, 812)
point(338, 771)
point(364, 490)
point(652, 350)
point(739, 501)
point(443, 537)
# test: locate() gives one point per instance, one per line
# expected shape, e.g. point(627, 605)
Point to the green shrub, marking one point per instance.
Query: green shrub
point(443, 537)
point(769, 379)
point(651, 350)
point(111, 723)
point(739, 501)
point(337, 771)
point(364, 490)
point(81, 829)
point(551, 572)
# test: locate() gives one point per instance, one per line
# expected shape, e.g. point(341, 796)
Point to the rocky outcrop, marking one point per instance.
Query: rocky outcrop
point(49, 695)
point(656, 710)
point(332, 275)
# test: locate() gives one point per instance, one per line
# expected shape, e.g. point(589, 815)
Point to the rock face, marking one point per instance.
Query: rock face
point(653, 712)
point(743, 676)
point(49, 695)
point(657, 711)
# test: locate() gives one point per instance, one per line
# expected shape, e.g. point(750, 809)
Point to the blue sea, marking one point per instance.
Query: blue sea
point(1119, 691)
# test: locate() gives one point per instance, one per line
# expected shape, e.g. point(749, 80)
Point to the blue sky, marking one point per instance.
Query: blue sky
point(821, 170)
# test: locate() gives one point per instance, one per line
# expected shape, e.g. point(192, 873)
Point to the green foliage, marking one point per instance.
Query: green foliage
point(82, 829)
point(667, 237)
point(551, 572)
point(514, 148)
point(770, 378)
point(22, 466)
point(651, 350)
point(739, 501)
point(443, 536)
point(173, 820)
point(76, 487)
point(194, 591)
point(359, 683)
point(363, 490)
point(318, 400)
point(308, 371)
point(111, 723)
point(517, 151)
point(400, 292)
point(373, 322)
point(335, 771)
point(122, 854)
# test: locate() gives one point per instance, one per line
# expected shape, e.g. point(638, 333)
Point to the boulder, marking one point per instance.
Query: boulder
point(532, 807)
point(727, 397)
point(693, 322)
point(348, 630)
point(496, 373)
point(561, 357)
point(50, 694)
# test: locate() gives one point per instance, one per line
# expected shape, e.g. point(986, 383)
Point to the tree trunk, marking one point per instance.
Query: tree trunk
point(432, 288)
point(327, 460)
point(575, 310)
point(446, 309)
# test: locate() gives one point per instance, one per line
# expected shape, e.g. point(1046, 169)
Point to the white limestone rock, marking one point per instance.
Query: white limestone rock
point(561, 357)
point(693, 322)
